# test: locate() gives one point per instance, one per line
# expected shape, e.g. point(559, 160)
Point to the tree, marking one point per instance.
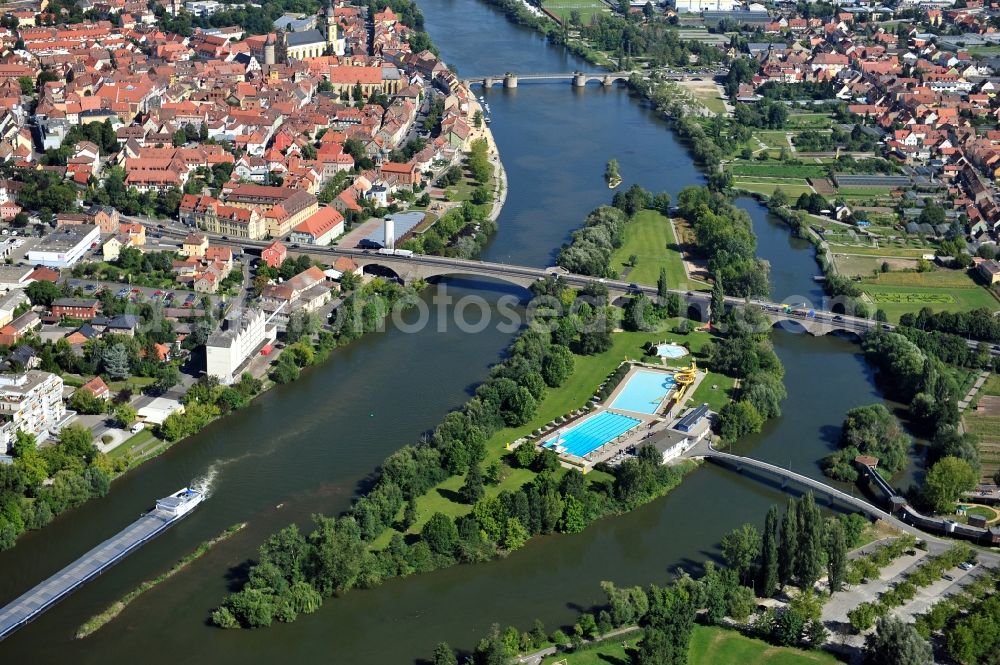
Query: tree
point(84, 401)
point(444, 655)
point(125, 414)
point(43, 293)
point(778, 198)
point(169, 377)
point(769, 554)
point(809, 560)
point(557, 366)
point(945, 482)
point(718, 307)
point(440, 534)
point(740, 548)
point(836, 554)
point(115, 361)
point(895, 642)
point(473, 490)
point(662, 287)
point(737, 419)
point(788, 549)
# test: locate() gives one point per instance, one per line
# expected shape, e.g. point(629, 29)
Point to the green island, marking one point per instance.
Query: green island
point(494, 473)
point(98, 621)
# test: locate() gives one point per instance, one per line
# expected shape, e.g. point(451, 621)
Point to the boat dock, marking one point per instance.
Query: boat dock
point(40, 598)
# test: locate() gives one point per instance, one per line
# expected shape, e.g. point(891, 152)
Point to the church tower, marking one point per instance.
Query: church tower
point(331, 29)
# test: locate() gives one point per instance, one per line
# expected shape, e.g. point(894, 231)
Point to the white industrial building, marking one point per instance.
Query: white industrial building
point(30, 402)
point(65, 246)
point(227, 350)
point(695, 6)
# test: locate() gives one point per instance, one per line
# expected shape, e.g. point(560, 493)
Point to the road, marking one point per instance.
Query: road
point(701, 300)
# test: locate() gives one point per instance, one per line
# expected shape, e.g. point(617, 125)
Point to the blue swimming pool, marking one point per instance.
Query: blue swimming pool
point(644, 392)
point(592, 433)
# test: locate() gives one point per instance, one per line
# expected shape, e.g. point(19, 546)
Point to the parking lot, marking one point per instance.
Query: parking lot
point(169, 297)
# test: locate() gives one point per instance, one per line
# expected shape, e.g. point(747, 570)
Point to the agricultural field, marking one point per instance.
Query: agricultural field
point(890, 250)
point(864, 192)
point(792, 187)
point(983, 420)
point(951, 290)
point(776, 169)
point(863, 266)
point(587, 8)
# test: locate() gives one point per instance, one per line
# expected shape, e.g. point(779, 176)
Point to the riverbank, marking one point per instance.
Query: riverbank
point(303, 445)
point(98, 621)
point(499, 172)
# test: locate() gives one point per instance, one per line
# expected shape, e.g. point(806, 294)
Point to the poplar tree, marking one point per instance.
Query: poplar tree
point(718, 300)
point(769, 554)
point(836, 555)
point(809, 560)
point(788, 548)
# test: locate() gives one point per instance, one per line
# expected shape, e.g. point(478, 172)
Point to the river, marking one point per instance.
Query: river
point(307, 447)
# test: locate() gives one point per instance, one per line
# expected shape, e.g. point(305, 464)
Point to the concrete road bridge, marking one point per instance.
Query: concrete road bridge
point(578, 79)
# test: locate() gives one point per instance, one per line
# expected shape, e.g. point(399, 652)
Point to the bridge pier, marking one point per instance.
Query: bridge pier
point(487, 83)
point(607, 81)
point(509, 81)
point(579, 80)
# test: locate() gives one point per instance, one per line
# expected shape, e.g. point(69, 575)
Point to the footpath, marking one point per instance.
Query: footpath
point(538, 656)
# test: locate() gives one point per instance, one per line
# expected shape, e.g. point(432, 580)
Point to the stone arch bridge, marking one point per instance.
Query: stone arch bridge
point(408, 268)
point(578, 79)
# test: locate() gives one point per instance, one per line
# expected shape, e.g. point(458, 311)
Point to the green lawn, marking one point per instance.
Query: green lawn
point(772, 138)
point(709, 646)
point(809, 121)
point(589, 372)
point(141, 443)
point(710, 97)
point(650, 236)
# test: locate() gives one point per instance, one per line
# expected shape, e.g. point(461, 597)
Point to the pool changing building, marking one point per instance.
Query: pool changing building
point(240, 338)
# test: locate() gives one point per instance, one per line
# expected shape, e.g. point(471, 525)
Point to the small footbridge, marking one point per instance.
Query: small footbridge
point(740, 464)
point(903, 516)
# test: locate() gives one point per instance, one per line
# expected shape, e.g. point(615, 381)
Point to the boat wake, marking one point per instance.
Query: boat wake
point(205, 482)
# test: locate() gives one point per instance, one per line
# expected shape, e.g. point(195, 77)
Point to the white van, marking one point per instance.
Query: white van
point(138, 427)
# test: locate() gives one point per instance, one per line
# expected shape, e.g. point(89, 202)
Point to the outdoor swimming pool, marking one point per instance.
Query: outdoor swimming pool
point(592, 433)
point(671, 350)
point(644, 392)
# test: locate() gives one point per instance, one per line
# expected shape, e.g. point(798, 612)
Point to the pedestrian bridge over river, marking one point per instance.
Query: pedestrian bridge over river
point(903, 515)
